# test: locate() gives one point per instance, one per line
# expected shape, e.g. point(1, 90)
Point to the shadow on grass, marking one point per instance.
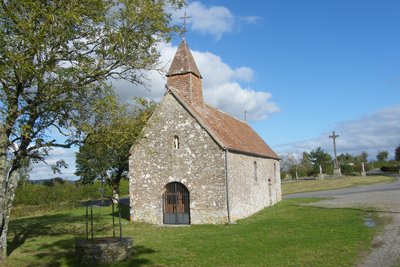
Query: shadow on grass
point(51, 251)
point(62, 252)
point(48, 225)
point(125, 211)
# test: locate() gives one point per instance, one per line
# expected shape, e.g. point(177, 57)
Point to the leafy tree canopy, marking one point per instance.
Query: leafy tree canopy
point(318, 157)
point(382, 155)
point(104, 154)
point(56, 59)
point(397, 153)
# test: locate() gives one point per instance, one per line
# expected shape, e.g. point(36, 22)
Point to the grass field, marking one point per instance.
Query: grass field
point(331, 183)
point(283, 235)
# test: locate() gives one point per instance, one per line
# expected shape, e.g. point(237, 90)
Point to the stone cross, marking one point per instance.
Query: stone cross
point(245, 115)
point(334, 136)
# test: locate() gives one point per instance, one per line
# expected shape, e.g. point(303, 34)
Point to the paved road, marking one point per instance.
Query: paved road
point(383, 198)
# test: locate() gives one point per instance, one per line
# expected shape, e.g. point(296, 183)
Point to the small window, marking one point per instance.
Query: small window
point(176, 142)
point(275, 172)
point(255, 171)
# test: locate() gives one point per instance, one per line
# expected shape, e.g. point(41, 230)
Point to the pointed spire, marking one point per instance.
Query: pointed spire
point(184, 76)
point(183, 62)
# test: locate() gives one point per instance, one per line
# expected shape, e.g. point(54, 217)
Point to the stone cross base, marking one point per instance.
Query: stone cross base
point(363, 174)
point(337, 172)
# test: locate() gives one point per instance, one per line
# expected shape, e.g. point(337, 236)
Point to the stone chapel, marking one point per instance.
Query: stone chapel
point(196, 164)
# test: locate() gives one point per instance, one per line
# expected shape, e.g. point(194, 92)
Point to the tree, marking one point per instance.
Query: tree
point(345, 159)
point(56, 58)
point(104, 154)
point(289, 165)
point(382, 155)
point(397, 153)
point(318, 157)
point(363, 157)
point(346, 163)
point(54, 182)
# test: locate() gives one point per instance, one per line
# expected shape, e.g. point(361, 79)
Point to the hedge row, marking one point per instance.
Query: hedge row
point(390, 168)
point(31, 194)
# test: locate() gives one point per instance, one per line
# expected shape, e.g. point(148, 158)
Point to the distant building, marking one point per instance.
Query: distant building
point(196, 164)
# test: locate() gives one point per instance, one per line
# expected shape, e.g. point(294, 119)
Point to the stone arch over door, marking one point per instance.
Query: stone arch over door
point(176, 204)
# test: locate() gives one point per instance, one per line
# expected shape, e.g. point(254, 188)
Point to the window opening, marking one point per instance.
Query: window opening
point(176, 142)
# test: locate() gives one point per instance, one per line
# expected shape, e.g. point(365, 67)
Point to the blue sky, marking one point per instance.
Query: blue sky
point(300, 68)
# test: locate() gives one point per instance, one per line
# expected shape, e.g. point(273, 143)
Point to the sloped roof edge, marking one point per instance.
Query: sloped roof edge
point(194, 115)
point(198, 118)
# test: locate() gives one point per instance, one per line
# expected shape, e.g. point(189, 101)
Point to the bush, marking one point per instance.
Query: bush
point(33, 199)
point(31, 194)
point(390, 168)
point(347, 169)
point(124, 187)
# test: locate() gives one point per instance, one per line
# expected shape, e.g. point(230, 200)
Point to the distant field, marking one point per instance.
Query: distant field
point(331, 183)
point(283, 235)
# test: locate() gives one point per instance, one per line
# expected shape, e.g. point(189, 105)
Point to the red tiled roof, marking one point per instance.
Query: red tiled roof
point(229, 132)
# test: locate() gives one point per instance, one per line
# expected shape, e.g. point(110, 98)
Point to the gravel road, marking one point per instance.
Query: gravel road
point(382, 198)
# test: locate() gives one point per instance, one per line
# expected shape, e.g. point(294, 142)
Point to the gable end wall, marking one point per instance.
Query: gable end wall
point(198, 164)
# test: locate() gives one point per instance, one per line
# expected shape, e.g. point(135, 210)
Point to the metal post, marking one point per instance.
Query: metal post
point(87, 221)
point(119, 215)
point(91, 221)
point(113, 224)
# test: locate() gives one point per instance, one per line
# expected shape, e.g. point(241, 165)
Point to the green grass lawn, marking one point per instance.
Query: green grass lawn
point(332, 183)
point(283, 235)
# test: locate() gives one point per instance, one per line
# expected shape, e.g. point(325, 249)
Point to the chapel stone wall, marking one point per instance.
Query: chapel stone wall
point(198, 163)
point(254, 183)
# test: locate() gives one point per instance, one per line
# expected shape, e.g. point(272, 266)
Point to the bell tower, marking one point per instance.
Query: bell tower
point(184, 76)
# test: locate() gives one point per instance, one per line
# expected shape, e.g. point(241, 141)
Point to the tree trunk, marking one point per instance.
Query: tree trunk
point(4, 219)
point(115, 196)
point(8, 187)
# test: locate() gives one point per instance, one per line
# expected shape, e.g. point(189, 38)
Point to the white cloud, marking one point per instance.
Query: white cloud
point(219, 81)
point(212, 20)
point(232, 98)
point(372, 133)
point(250, 19)
point(43, 171)
point(215, 20)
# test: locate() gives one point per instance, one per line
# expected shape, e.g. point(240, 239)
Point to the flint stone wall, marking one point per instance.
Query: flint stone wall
point(254, 183)
point(198, 164)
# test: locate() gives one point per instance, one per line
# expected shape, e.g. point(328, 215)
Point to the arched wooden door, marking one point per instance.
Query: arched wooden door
point(176, 208)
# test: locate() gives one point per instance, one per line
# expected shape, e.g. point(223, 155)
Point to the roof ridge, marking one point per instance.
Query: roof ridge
point(226, 113)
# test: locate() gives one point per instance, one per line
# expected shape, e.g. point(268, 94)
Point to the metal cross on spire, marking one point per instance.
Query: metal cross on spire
point(185, 17)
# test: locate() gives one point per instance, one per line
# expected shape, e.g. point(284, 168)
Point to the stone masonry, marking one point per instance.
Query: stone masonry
point(198, 164)
point(225, 170)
